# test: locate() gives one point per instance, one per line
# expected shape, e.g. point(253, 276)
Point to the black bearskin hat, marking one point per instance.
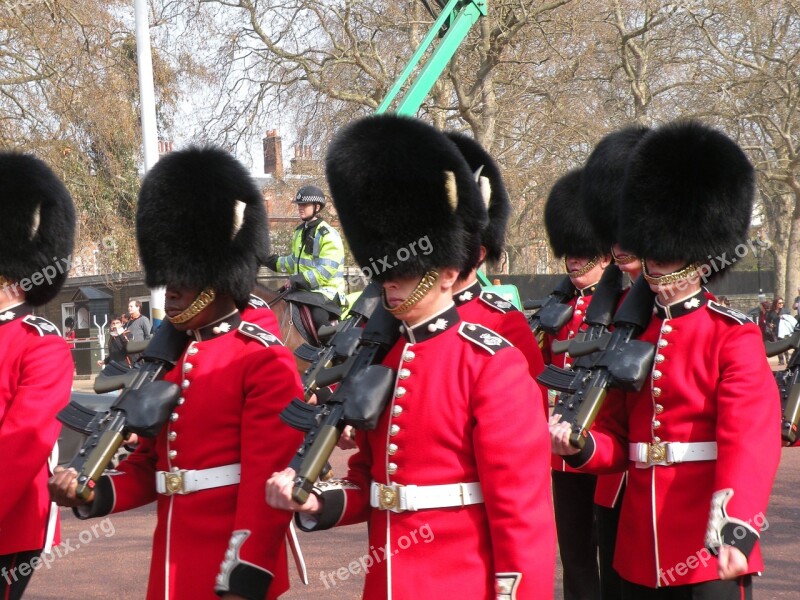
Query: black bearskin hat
point(688, 195)
point(604, 179)
point(565, 220)
point(38, 227)
point(309, 194)
point(201, 222)
point(493, 190)
point(404, 192)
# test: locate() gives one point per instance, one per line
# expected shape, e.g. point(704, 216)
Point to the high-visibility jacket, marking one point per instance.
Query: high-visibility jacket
point(318, 255)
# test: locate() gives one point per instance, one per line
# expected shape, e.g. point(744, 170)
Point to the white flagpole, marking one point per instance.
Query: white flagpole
point(144, 61)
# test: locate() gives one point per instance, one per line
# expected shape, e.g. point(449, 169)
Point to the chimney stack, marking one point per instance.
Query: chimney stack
point(273, 157)
point(304, 162)
point(164, 146)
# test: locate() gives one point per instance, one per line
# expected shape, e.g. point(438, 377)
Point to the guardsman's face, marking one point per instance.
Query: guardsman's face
point(305, 210)
point(178, 299)
point(592, 276)
point(677, 290)
point(622, 256)
point(397, 290)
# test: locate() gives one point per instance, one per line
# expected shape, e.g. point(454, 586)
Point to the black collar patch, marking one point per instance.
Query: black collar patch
point(689, 305)
point(15, 312)
point(468, 293)
point(432, 326)
point(224, 325)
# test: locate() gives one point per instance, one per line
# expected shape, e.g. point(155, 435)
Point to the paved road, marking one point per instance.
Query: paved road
point(111, 560)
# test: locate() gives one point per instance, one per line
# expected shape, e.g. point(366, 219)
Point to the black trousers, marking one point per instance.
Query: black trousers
point(15, 573)
point(573, 496)
point(607, 520)
point(736, 589)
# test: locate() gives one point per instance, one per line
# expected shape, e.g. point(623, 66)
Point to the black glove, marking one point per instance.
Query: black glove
point(298, 282)
point(271, 262)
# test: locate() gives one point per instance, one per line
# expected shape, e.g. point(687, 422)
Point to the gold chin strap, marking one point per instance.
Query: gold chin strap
point(197, 306)
point(423, 287)
point(583, 270)
point(684, 273)
point(623, 260)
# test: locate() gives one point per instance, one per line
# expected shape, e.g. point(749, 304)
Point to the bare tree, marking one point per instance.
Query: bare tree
point(69, 93)
point(753, 67)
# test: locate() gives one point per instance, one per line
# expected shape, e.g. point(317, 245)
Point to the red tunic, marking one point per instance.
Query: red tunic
point(710, 383)
point(461, 413)
point(35, 382)
point(490, 310)
point(234, 387)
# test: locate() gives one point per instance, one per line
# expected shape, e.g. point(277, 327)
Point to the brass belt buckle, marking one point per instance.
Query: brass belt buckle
point(173, 482)
point(656, 453)
point(388, 497)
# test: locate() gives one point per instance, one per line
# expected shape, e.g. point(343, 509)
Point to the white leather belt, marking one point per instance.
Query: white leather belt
point(399, 498)
point(188, 481)
point(669, 453)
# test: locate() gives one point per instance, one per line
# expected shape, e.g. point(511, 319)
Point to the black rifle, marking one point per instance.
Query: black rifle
point(554, 312)
point(788, 381)
point(142, 407)
point(615, 359)
point(328, 363)
point(366, 386)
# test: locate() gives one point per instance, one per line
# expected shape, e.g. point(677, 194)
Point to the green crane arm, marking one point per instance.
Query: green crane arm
point(458, 17)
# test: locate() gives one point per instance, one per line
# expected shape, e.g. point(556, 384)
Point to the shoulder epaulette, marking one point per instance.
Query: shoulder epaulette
point(323, 230)
point(256, 302)
point(255, 332)
point(497, 302)
point(731, 313)
point(42, 325)
point(483, 337)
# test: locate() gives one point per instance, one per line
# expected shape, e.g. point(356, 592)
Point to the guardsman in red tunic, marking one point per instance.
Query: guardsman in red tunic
point(703, 433)
point(454, 480)
point(601, 193)
point(200, 224)
point(35, 362)
point(475, 305)
point(585, 258)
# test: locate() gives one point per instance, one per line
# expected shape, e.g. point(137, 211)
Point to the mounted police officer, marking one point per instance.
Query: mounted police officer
point(316, 260)
point(35, 362)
